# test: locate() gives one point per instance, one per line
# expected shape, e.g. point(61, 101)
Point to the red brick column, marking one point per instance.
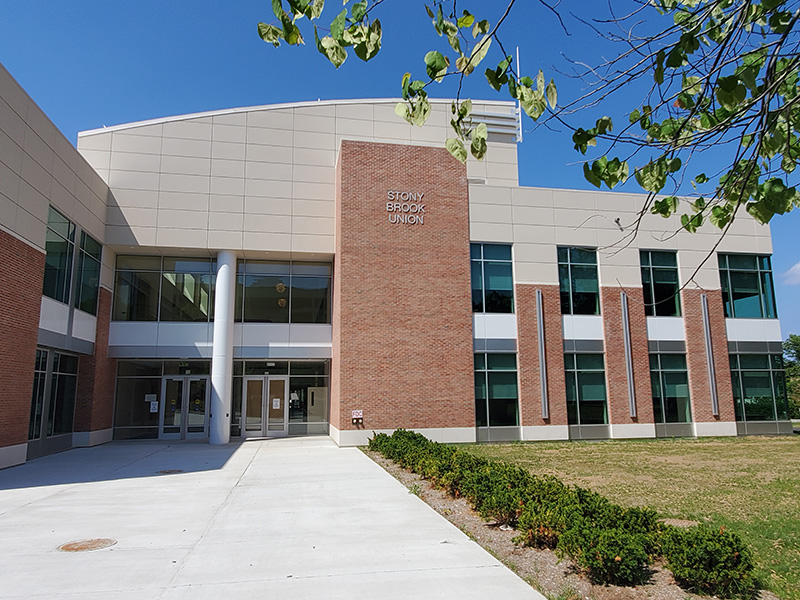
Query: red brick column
point(21, 276)
point(94, 406)
point(530, 394)
point(402, 326)
point(616, 369)
point(699, 385)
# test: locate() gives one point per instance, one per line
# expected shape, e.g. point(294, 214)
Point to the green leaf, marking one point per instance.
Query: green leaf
point(478, 145)
point(481, 27)
point(590, 176)
point(277, 8)
point(314, 10)
point(552, 94)
point(270, 33)
point(540, 82)
point(652, 177)
point(436, 64)
point(465, 21)
point(665, 206)
point(331, 49)
point(338, 26)
point(456, 148)
point(691, 224)
point(372, 42)
point(291, 32)
point(531, 101)
point(479, 51)
point(720, 216)
point(583, 139)
point(658, 75)
point(359, 10)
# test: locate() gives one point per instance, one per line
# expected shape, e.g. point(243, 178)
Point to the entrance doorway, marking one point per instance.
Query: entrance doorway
point(184, 408)
point(266, 408)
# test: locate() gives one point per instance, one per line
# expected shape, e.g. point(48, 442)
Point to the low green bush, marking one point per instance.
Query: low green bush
point(613, 544)
point(710, 561)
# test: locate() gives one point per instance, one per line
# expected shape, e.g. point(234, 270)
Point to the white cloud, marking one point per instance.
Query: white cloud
point(792, 276)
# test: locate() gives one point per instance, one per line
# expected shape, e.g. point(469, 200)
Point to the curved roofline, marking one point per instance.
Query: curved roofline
point(304, 104)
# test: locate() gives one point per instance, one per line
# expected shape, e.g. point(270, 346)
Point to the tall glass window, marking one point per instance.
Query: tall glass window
point(496, 399)
point(59, 247)
point(670, 384)
point(759, 387)
point(152, 288)
point(747, 289)
point(660, 284)
point(586, 389)
point(282, 292)
point(89, 259)
point(577, 279)
point(63, 385)
point(492, 279)
point(38, 396)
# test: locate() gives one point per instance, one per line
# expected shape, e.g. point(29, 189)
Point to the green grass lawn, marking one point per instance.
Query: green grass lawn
point(749, 485)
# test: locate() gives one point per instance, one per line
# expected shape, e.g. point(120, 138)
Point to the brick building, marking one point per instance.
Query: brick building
point(323, 268)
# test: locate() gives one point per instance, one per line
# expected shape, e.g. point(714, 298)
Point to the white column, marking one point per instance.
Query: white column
point(222, 356)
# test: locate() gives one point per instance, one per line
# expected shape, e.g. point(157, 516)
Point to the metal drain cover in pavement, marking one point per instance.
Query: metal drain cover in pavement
point(86, 545)
point(169, 471)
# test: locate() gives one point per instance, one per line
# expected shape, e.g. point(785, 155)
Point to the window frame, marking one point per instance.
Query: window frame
point(763, 274)
point(479, 260)
point(63, 273)
point(482, 370)
point(652, 304)
point(565, 260)
point(575, 372)
point(775, 372)
point(661, 373)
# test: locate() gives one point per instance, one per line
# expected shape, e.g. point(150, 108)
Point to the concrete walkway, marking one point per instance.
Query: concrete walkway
point(292, 518)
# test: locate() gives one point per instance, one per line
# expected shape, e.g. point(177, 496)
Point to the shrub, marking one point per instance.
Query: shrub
point(608, 555)
point(710, 561)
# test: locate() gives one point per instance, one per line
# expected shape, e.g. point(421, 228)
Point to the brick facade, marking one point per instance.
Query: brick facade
point(528, 347)
point(21, 275)
point(402, 327)
point(94, 405)
point(615, 363)
point(699, 385)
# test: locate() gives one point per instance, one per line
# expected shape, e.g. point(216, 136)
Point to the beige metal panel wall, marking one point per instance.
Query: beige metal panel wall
point(259, 179)
point(537, 220)
point(38, 168)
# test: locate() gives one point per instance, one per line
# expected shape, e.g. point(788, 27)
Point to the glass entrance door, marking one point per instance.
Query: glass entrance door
point(265, 407)
point(184, 408)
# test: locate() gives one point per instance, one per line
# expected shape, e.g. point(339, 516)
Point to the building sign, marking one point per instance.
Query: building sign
point(405, 207)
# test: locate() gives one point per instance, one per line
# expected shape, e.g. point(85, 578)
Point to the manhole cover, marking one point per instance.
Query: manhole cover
point(86, 545)
point(169, 471)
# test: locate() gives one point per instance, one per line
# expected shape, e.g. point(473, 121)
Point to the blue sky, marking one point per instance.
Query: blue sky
point(92, 63)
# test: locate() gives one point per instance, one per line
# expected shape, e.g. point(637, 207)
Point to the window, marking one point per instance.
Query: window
point(586, 389)
point(492, 279)
point(282, 292)
point(37, 399)
point(759, 387)
point(670, 384)
point(88, 274)
point(63, 383)
point(152, 288)
point(577, 279)
point(660, 284)
point(747, 290)
point(59, 247)
point(496, 390)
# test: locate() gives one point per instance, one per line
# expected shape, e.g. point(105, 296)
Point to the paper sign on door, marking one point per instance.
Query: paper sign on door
point(276, 403)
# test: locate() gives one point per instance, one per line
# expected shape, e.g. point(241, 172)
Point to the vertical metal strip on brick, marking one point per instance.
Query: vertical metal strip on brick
point(542, 356)
point(712, 377)
point(626, 336)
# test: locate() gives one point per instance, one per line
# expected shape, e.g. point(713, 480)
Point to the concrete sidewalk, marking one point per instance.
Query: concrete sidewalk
point(292, 518)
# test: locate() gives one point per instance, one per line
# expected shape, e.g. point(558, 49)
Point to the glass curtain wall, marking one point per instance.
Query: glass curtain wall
point(747, 287)
point(38, 396)
point(670, 384)
point(577, 278)
point(496, 396)
point(283, 292)
point(759, 387)
point(492, 278)
point(586, 389)
point(59, 247)
point(660, 284)
point(89, 259)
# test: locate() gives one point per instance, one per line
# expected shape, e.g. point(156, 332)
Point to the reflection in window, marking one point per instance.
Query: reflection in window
point(149, 288)
point(59, 246)
point(496, 400)
point(586, 389)
point(89, 258)
point(660, 284)
point(492, 279)
point(38, 396)
point(747, 289)
point(63, 384)
point(670, 385)
point(759, 387)
point(282, 292)
point(577, 279)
